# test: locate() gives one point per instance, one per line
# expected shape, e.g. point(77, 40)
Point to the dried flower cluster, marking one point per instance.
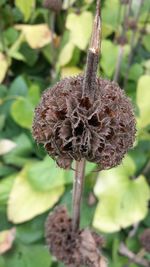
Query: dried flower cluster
point(72, 248)
point(55, 5)
point(145, 239)
point(72, 126)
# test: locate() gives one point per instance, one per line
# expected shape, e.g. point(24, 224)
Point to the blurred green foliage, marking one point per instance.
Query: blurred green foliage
point(33, 58)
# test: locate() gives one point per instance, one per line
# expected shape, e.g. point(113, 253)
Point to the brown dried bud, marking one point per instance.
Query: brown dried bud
point(145, 239)
point(131, 24)
point(122, 40)
point(72, 248)
point(55, 5)
point(73, 126)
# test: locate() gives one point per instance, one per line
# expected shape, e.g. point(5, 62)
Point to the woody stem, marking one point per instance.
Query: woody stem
point(77, 193)
point(89, 82)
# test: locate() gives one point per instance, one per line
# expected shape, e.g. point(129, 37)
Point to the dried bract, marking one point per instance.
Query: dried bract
point(71, 125)
point(72, 248)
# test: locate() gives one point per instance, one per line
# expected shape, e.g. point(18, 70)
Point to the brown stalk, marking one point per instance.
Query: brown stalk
point(123, 250)
point(127, 10)
point(89, 83)
point(77, 193)
point(89, 86)
point(132, 44)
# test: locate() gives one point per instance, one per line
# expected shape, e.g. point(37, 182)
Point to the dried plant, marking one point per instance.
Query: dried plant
point(82, 118)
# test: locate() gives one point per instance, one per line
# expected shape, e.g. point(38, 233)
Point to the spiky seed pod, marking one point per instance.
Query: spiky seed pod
point(55, 5)
point(145, 239)
point(60, 238)
point(71, 247)
point(73, 126)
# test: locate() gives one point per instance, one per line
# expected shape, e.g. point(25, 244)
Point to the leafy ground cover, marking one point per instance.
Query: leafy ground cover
point(38, 48)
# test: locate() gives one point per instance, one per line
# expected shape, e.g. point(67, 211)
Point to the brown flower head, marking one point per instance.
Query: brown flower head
point(71, 126)
point(72, 248)
point(145, 239)
point(55, 5)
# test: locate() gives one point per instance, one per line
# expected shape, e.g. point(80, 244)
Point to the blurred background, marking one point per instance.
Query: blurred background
point(40, 43)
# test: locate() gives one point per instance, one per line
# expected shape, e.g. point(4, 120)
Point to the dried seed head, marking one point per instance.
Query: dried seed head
point(59, 236)
point(122, 40)
point(131, 24)
point(55, 5)
point(72, 248)
point(145, 239)
point(73, 126)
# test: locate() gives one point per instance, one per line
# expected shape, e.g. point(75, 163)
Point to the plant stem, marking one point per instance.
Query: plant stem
point(118, 64)
point(89, 87)
point(142, 32)
point(132, 44)
point(127, 11)
point(77, 193)
point(132, 257)
point(89, 83)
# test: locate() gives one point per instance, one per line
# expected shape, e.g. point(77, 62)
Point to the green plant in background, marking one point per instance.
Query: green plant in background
point(29, 63)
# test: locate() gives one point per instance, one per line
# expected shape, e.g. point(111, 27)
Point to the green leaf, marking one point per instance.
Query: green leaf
point(70, 71)
point(6, 170)
point(5, 188)
point(29, 55)
point(34, 94)
point(123, 201)
point(2, 262)
point(10, 36)
point(22, 112)
point(25, 202)
point(32, 231)
point(109, 57)
point(135, 72)
point(37, 36)
point(143, 96)
point(20, 154)
point(146, 42)
point(28, 256)
point(67, 3)
point(66, 54)
point(45, 176)
point(80, 27)
point(6, 146)
point(26, 7)
point(18, 87)
point(111, 7)
point(4, 66)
